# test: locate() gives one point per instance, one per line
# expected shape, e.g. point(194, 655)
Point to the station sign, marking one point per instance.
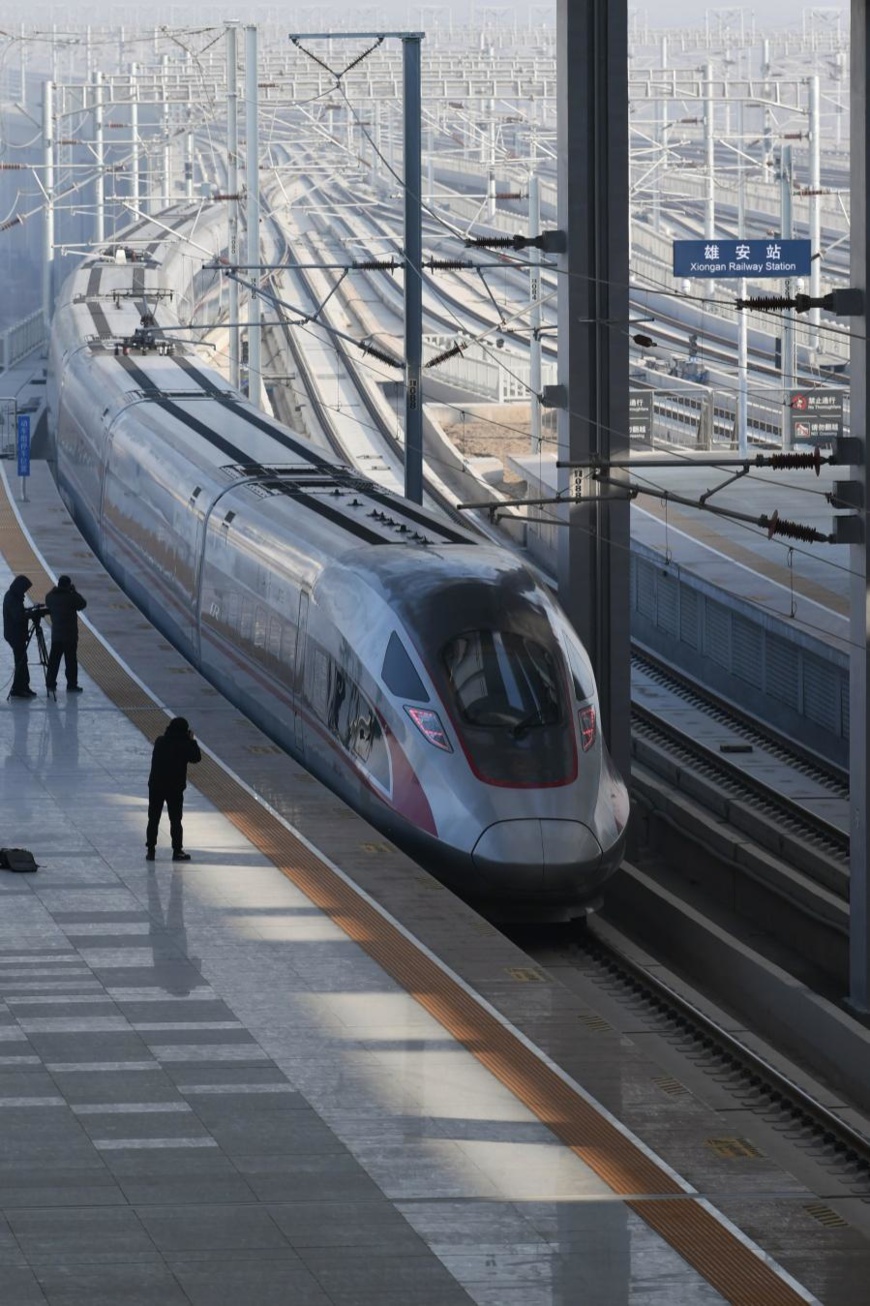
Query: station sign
point(816, 416)
point(742, 258)
point(640, 416)
point(23, 444)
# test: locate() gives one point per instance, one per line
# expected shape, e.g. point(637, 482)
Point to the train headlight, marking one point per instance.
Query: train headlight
point(429, 724)
point(587, 727)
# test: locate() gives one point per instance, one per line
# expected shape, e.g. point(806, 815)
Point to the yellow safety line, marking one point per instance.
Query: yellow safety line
point(740, 1275)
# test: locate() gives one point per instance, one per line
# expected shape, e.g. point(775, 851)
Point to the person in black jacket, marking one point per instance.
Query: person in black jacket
point(166, 784)
point(15, 634)
point(64, 603)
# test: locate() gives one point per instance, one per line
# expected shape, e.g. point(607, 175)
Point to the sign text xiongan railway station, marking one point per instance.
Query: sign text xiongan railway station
point(741, 258)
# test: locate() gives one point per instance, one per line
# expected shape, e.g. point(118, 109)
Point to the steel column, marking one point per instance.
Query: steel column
point(859, 734)
point(592, 128)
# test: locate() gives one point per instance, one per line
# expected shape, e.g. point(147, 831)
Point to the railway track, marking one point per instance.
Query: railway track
point(738, 756)
point(703, 1050)
point(791, 805)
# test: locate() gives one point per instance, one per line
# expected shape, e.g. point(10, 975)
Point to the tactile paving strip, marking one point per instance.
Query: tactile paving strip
point(734, 1269)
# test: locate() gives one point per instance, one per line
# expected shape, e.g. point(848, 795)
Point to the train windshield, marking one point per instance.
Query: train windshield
point(507, 693)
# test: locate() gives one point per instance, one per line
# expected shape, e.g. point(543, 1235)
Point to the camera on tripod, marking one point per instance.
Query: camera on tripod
point(36, 612)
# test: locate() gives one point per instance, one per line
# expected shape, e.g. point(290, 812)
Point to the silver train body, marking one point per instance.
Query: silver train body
point(426, 677)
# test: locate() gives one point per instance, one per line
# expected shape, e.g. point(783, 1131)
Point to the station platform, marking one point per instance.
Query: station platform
point(298, 1070)
point(807, 584)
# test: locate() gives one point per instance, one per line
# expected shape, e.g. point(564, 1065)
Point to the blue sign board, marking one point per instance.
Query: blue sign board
point(742, 258)
point(24, 445)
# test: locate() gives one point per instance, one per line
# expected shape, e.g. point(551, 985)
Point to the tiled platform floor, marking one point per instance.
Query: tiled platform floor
point(208, 1094)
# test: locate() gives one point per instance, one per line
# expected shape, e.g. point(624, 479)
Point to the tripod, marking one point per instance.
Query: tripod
point(36, 632)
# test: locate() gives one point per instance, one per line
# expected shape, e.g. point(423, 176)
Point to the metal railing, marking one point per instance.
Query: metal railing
point(16, 342)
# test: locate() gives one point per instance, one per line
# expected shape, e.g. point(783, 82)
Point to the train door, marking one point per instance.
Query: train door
point(299, 676)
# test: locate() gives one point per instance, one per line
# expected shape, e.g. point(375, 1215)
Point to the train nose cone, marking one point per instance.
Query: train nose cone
point(533, 854)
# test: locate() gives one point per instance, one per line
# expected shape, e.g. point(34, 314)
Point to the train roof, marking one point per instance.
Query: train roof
point(243, 447)
point(344, 498)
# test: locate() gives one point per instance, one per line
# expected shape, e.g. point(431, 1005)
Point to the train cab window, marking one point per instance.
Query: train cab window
point(502, 679)
point(399, 673)
point(507, 692)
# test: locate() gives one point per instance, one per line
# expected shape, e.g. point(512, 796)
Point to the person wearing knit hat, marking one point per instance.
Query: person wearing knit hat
point(64, 603)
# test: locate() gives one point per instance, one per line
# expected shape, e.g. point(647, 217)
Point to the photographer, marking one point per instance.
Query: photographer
point(15, 634)
point(173, 751)
point(63, 603)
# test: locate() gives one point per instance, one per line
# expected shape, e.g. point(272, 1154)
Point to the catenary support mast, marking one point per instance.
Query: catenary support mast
point(252, 177)
point(592, 127)
point(859, 733)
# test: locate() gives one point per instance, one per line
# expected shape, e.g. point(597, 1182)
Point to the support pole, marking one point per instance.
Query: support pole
point(534, 256)
point(815, 206)
point(742, 376)
point(134, 133)
point(23, 65)
point(859, 725)
point(233, 189)
point(661, 111)
point(767, 131)
point(100, 160)
point(592, 139)
point(742, 316)
point(48, 183)
point(788, 318)
point(188, 150)
point(709, 171)
point(411, 67)
point(252, 178)
point(166, 198)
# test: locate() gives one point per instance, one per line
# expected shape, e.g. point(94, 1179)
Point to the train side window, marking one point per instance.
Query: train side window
point(247, 620)
point(369, 745)
point(233, 608)
point(260, 626)
point(274, 644)
point(318, 689)
point(399, 673)
point(351, 718)
point(288, 645)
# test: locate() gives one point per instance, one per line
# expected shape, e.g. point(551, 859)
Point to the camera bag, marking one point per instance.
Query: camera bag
point(17, 859)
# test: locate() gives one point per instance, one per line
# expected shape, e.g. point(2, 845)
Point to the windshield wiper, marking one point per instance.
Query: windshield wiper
point(534, 718)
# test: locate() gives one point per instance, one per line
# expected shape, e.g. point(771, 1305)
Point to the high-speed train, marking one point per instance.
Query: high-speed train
point(424, 675)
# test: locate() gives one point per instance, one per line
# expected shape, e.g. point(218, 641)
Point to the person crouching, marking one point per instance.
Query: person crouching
point(173, 750)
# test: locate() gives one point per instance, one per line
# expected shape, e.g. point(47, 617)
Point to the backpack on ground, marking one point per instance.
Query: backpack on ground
point(17, 859)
